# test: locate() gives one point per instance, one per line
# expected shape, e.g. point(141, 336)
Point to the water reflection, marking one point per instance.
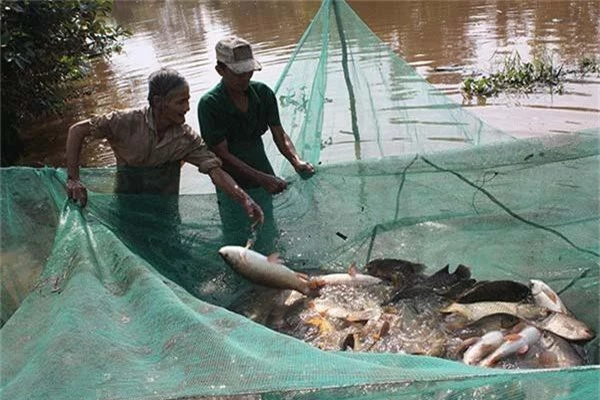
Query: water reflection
point(469, 31)
point(443, 40)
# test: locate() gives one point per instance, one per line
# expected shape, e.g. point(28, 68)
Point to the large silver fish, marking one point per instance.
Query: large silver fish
point(266, 271)
point(559, 323)
point(557, 352)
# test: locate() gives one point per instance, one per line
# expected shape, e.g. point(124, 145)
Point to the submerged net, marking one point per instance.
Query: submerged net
point(127, 299)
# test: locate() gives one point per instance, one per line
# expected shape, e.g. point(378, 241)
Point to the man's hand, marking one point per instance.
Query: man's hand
point(254, 211)
point(304, 169)
point(76, 191)
point(273, 184)
point(225, 182)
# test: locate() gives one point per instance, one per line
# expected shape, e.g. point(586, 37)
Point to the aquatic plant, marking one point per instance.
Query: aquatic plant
point(519, 76)
point(589, 65)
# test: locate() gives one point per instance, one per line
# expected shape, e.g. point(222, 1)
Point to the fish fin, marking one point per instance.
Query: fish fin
point(488, 362)
point(388, 309)
point(350, 342)
point(274, 258)
point(552, 296)
point(306, 287)
point(382, 330)
point(311, 305)
point(518, 327)
point(512, 337)
point(396, 281)
point(358, 316)
point(468, 343)
point(323, 324)
point(249, 243)
point(352, 270)
point(439, 275)
point(523, 349)
point(487, 348)
point(316, 283)
point(462, 271)
point(313, 287)
point(548, 360)
point(452, 308)
point(444, 271)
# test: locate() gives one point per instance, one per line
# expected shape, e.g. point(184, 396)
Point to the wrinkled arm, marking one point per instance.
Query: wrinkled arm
point(77, 133)
point(287, 149)
point(226, 183)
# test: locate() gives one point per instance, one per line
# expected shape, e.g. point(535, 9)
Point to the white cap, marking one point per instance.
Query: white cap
point(237, 54)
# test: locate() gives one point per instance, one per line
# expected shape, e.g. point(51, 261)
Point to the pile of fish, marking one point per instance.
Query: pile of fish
point(395, 307)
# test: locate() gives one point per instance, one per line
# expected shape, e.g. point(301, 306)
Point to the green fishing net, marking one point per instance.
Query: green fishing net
point(128, 298)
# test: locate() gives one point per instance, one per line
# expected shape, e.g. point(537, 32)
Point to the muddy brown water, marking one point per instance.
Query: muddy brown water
point(444, 40)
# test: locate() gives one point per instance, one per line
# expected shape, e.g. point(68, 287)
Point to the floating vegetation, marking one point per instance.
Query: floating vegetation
point(526, 77)
point(589, 65)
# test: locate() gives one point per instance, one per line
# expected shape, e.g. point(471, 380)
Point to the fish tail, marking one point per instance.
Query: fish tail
point(453, 308)
point(311, 290)
point(316, 283)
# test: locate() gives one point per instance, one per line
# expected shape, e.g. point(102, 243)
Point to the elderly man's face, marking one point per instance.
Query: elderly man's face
point(176, 104)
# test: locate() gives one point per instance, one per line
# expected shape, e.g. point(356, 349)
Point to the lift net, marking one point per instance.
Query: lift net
point(129, 299)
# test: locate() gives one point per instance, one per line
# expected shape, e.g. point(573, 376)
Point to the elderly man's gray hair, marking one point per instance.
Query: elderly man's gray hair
point(161, 82)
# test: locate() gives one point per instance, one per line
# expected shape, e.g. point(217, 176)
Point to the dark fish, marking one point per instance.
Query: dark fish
point(505, 291)
point(449, 284)
point(395, 270)
point(442, 283)
point(443, 277)
point(456, 290)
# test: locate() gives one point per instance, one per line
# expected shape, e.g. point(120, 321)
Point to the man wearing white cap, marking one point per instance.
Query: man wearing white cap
point(233, 117)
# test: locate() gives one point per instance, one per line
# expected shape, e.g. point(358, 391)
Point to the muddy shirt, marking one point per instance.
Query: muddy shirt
point(221, 120)
point(145, 164)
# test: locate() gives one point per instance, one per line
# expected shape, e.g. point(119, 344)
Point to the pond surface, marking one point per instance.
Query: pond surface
point(445, 41)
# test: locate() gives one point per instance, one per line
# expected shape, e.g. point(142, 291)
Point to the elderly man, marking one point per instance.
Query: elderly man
point(150, 144)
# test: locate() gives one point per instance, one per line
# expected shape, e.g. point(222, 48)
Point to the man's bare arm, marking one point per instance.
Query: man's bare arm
point(286, 148)
point(226, 183)
point(77, 133)
point(270, 183)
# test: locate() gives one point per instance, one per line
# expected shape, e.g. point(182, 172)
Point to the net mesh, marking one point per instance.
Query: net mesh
point(128, 298)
